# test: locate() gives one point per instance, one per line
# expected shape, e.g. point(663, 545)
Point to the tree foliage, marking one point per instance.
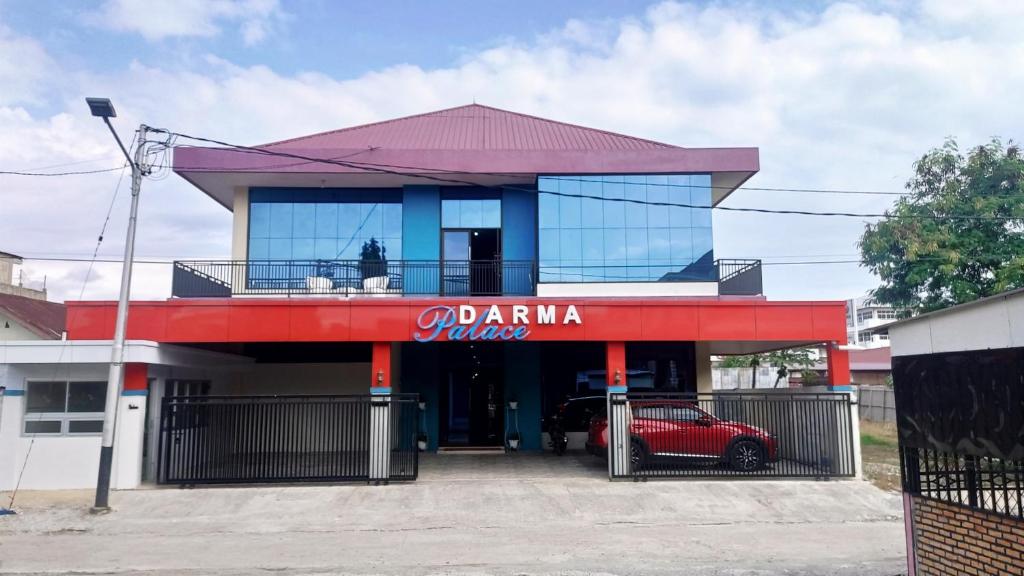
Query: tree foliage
point(929, 259)
point(783, 359)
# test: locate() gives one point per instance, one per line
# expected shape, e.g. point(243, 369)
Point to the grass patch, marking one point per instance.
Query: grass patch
point(880, 454)
point(867, 439)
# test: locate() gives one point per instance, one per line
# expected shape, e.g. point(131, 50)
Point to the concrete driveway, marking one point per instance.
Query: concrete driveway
point(546, 516)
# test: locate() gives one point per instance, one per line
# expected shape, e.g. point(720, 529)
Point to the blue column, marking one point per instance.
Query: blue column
point(522, 383)
point(421, 238)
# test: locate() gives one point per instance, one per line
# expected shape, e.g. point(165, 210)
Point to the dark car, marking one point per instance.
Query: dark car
point(679, 430)
point(577, 412)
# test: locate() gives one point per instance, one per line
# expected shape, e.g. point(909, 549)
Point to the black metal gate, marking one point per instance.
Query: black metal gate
point(244, 439)
point(733, 434)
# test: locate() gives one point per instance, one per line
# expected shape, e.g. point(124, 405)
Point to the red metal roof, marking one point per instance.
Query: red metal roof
point(471, 127)
point(474, 144)
point(41, 317)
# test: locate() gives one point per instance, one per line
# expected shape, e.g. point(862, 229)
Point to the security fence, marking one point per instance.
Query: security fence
point(731, 434)
point(960, 422)
point(245, 439)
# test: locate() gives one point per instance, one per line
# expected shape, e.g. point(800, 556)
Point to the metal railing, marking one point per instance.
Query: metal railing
point(739, 277)
point(980, 482)
point(748, 434)
point(206, 279)
point(224, 278)
point(249, 439)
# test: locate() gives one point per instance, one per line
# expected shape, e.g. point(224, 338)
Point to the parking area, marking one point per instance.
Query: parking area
point(468, 514)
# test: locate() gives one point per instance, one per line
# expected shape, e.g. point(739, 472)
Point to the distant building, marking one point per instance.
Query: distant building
point(866, 322)
point(10, 271)
point(24, 312)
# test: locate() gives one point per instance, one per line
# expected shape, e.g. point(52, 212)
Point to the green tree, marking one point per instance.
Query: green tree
point(958, 235)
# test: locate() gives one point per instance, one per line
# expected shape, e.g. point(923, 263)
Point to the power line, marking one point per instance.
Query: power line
point(63, 348)
point(560, 266)
point(391, 169)
point(74, 173)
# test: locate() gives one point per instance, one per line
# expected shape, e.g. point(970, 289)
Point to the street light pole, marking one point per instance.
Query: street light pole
point(115, 380)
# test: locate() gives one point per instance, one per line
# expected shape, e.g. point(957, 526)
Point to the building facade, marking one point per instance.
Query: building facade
point(478, 258)
point(866, 322)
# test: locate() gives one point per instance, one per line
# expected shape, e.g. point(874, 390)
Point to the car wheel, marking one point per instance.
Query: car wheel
point(637, 455)
point(746, 456)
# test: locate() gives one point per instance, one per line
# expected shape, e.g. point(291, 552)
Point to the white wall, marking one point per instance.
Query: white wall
point(59, 462)
point(14, 331)
point(996, 322)
point(240, 225)
point(636, 289)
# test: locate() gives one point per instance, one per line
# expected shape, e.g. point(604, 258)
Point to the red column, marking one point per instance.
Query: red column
point(838, 367)
point(381, 364)
point(615, 366)
point(136, 379)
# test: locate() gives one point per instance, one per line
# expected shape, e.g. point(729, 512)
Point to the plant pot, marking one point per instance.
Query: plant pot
point(421, 443)
point(513, 443)
point(513, 405)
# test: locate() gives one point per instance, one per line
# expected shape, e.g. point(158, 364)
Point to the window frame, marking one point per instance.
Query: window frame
point(64, 417)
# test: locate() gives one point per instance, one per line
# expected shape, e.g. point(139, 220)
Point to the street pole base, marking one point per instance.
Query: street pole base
point(100, 510)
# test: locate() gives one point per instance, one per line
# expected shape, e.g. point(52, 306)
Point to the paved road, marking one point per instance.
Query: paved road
point(536, 522)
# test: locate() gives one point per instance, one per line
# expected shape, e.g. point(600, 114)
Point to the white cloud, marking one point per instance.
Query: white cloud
point(160, 20)
point(847, 97)
point(25, 65)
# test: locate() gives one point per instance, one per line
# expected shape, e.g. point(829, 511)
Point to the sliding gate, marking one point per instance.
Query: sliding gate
point(244, 439)
point(770, 434)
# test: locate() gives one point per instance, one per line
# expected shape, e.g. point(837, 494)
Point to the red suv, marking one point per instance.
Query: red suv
point(675, 429)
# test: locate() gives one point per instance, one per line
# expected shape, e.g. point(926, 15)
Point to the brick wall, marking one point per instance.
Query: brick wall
point(956, 540)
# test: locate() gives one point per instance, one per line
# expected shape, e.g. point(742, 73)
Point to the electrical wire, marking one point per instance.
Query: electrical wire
point(74, 173)
point(63, 348)
point(391, 169)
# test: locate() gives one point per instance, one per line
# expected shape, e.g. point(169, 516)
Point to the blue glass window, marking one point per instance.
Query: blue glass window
point(470, 213)
point(603, 237)
point(323, 224)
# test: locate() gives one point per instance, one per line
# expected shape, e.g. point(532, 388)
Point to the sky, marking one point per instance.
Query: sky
point(841, 95)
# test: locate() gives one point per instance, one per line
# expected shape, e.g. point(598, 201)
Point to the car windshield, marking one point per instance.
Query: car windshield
point(668, 412)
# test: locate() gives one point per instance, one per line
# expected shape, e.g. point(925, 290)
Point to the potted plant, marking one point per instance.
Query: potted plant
point(513, 441)
point(421, 442)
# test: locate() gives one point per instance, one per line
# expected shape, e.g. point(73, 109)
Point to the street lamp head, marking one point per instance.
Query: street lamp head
point(101, 107)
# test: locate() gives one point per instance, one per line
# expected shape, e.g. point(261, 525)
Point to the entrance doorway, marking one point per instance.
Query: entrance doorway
point(472, 261)
point(472, 395)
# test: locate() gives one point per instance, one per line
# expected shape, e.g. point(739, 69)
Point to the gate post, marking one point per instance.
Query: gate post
point(618, 411)
point(380, 437)
point(380, 413)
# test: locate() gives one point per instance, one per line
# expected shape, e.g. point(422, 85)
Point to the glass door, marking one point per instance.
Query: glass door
point(455, 264)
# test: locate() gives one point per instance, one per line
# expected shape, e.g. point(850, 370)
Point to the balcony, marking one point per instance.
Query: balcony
point(219, 279)
point(739, 277)
point(226, 278)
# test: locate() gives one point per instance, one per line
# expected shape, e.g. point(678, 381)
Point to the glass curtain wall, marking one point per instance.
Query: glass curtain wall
point(310, 226)
point(600, 237)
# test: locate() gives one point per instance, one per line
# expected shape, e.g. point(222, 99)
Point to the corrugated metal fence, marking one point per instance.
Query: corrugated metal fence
point(877, 403)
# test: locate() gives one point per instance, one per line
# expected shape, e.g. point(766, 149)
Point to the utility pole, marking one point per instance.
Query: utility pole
point(102, 107)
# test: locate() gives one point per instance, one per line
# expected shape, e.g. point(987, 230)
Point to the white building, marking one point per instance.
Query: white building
point(867, 322)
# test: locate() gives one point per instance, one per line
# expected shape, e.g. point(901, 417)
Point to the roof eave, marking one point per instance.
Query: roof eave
point(730, 167)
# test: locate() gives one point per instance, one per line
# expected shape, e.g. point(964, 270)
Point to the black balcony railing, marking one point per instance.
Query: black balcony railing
point(225, 278)
point(739, 277)
point(354, 277)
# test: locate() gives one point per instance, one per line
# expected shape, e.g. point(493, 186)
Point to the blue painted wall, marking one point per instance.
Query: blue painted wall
point(522, 383)
point(518, 235)
point(421, 233)
point(420, 375)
